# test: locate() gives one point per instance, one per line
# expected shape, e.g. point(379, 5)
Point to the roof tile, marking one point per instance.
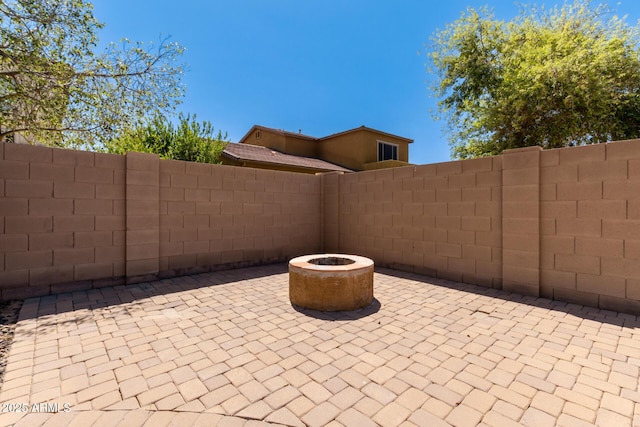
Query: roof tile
point(255, 153)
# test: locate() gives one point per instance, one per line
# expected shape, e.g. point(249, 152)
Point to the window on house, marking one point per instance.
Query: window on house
point(257, 134)
point(387, 151)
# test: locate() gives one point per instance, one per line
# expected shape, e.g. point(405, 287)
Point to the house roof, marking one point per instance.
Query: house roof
point(363, 127)
point(255, 153)
point(312, 138)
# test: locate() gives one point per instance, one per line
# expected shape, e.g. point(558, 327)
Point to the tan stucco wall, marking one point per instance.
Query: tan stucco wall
point(271, 140)
point(301, 146)
point(284, 143)
point(354, 149)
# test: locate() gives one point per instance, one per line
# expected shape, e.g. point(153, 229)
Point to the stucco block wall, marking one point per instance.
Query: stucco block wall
point(215, 214)
point(330, 205)
point(563, 224)
point(76, 220)
point(441, 219)
point(142, 218)
point(521, 220)
point(62, 216)
point(590, 225)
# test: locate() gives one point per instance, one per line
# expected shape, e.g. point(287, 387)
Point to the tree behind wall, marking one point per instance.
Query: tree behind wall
point(54, 88)
point(190, 140)
point(553, 78)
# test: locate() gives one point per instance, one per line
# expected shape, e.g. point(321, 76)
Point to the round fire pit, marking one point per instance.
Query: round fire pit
point(331, 282)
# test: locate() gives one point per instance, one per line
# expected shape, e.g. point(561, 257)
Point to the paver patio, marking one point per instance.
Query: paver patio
point(227, 348)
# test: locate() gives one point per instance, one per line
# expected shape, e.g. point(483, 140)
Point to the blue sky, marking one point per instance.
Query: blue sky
point(320, 66)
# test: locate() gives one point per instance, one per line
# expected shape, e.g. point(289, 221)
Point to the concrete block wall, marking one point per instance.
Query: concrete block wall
point(62, 220)
point(590, 225)
point(225, 215)
point(142, 190)
point(521, 220)
point(442, 220)
point(563, 224)
point(330, 211)
point(73, 220)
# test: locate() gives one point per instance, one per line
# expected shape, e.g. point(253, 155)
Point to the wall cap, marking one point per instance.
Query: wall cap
point(523, 149)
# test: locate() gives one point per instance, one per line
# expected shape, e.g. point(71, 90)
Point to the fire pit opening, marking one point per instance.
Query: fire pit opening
point(331, 282)
point(333, 260)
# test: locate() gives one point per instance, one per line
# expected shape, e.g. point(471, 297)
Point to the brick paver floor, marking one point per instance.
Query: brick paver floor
point(227, 348)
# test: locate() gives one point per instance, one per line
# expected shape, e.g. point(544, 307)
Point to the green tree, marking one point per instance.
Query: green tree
point(189, 140)
point(554, 78)
point(56, 89)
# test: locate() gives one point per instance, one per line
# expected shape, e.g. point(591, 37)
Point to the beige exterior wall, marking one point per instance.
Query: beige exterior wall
point(284, 143)
point(271, 140)
point(355, 149)
point(301, 146)
point(563, 224)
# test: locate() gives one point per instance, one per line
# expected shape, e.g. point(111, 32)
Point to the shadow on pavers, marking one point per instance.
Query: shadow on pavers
point(585, 312)
point(372, 308)
point(117, 297)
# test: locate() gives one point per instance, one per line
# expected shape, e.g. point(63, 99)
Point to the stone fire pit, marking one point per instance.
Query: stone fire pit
point(331, 282)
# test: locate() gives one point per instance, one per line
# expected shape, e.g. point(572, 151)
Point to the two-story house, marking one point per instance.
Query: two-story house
point(353, 150)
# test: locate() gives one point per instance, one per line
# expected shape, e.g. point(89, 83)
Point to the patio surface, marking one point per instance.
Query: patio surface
point(228, 349)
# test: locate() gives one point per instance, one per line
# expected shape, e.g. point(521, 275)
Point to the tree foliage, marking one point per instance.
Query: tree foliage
point(190, 140)
point(55, 88)
point(554, 78)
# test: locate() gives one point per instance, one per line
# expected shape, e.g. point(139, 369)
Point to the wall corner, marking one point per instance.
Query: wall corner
point(330, 211)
